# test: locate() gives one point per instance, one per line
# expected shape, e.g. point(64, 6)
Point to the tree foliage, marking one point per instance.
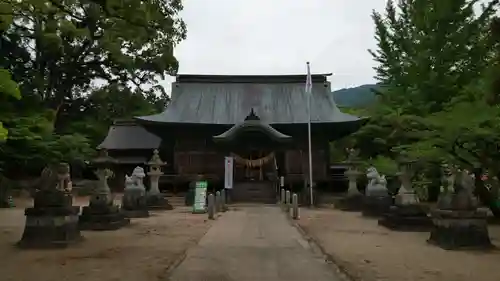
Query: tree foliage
point(79, 64)
point(55, 49)
point(438, 64)
point(8, 88)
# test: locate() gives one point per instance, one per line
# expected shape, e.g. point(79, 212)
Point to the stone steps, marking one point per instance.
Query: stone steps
point(254, 192)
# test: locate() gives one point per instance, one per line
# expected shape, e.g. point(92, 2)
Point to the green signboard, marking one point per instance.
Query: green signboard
point(200, 197)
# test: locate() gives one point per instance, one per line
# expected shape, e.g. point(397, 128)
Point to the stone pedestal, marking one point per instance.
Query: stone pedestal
point(102, 214)
point(406, 218)
point(407, 214)
point(458, 224)
point(134, 204)
point(52, 222)
point(460, 230)
point(376, 206)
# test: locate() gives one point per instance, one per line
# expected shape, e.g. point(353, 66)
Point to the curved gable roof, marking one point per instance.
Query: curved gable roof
point(226, 100)
point(129, 135)
point(252, 123)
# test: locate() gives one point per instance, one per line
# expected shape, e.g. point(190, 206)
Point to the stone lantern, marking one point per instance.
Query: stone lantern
point(353, 200)
point(102, 213)
point(406, 194)
point(407, 214)
point(154, 199)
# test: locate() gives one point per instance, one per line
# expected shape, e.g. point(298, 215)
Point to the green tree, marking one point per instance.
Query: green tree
point(428, 51)
point(56, 48)
point(93, 114)
point(8, 88)
point(436, 62)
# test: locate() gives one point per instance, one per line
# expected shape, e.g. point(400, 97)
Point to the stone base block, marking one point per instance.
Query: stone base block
point(407, 218)
point(98, 219)
point(375, 206)
point(459, 230)
point(158, 202)
point(136, 213)
point(50, 228)
point(350, 203)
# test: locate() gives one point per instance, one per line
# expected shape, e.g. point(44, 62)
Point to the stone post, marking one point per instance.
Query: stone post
point(287, 200)
point(211, 206)
point(223, 199)
point(218, 202)
point(295, 206)
point(282, 196)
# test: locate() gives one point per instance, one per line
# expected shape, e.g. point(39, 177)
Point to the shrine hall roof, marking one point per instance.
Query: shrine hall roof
point(227, 99)
point(126, 134)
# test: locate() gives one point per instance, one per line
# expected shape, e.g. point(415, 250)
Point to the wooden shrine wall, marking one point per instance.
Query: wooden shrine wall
point(194, 155)
point(297, 163)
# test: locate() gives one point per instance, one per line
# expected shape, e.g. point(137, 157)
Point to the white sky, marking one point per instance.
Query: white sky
point(279, 37)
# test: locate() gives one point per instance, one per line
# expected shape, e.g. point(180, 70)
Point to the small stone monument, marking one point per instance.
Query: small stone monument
point(218, 202)
point(407, 214)
point(287, 200)
point(134, 195)
point(211, 206)
point(223, 199)
point(53, 221)
point(282, 197)
point(155, 200)
point(102, 213)
point(377, 200)
point(353, 200)
point(447, 186)
point(295, 207)
point(458, 224)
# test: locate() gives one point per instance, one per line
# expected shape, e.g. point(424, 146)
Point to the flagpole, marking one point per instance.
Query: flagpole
point(309, 78)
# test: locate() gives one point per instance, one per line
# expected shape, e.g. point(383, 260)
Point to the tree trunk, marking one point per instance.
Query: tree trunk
point(484, 194)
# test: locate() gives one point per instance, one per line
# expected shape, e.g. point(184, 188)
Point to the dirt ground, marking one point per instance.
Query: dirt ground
point(142, 251)
point(370, 252)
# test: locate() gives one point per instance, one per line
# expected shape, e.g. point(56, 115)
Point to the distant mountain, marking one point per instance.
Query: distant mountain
point(355, 97)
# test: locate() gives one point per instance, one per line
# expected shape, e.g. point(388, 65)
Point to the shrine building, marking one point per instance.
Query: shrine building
point(259, 120)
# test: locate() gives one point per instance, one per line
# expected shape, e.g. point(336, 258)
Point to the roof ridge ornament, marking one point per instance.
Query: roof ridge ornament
point(252, 116)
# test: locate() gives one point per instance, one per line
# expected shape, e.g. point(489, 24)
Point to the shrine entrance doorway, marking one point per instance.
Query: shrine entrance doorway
point(253, 145)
